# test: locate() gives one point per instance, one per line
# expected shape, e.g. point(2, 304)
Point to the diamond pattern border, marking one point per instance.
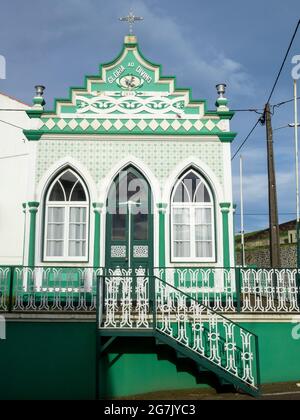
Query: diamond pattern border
point(180, 125)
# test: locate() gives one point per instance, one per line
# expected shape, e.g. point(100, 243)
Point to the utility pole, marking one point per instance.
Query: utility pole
point(297, 172)
point(242, 214)
point(273, 210)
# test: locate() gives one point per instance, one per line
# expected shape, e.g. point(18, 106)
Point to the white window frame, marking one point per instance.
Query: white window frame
point(193, 206)
point(66, 205)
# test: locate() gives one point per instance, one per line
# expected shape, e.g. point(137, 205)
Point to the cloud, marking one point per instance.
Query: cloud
point(255, 187)
point(195, 58)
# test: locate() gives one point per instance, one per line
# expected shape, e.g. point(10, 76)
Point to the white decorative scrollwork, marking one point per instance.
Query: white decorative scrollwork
point(270, 290)
point(140, 251)
point(118, 251)
point(129, 105)
point(204, 332)
point(127, 299)
point(50, 289)
point(4, 288)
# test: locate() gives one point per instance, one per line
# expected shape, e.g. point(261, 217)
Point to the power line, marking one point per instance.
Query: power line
point(13, 125)
point(273, 88)
point(248, 110)
point(247, 137)
point(13, 110)
point(283, 103)
point(266, 214)
point(284, 60)
point(13, 156)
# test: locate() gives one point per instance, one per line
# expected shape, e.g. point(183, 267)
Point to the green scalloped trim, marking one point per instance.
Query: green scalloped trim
point(68, 101)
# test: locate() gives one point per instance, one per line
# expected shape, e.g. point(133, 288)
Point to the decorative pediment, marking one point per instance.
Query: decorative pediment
point(129, 96)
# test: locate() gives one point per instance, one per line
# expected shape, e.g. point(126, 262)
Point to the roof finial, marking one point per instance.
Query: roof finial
point(131, 19)
point(221, 102)
point(38, 100)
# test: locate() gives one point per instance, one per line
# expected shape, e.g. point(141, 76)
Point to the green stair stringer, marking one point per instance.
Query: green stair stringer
point(177, 318)
point(206, 365)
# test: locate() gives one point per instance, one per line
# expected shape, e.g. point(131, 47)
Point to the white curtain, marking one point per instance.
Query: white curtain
point(77, 232)
point(55, 232)
point(203, 232)
point(192, 232)
point(181, 232)
point(58, 233)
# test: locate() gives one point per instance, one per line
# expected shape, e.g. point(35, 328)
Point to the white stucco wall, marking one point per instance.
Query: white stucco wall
point(13, 179)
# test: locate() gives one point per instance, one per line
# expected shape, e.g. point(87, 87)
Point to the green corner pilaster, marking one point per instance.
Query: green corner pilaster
point(33, 209)
point(98, 207)
point(24, 207)
point(162, 208)
point(234, 247)
point(225, 208)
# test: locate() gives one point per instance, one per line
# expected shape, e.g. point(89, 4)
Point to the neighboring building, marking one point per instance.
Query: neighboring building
point(117, 270)
point(14, 163)
point(257, 246)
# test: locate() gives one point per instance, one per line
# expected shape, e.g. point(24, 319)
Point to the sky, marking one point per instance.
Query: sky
point(58, 42)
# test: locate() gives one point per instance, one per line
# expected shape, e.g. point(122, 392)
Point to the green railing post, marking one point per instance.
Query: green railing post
point(153, 295)
point(238, 280)
point(11, 289)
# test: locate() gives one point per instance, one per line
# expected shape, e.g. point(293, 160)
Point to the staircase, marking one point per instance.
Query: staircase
point(138, 304)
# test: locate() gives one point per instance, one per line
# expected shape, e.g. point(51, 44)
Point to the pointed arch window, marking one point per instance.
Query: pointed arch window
point(192, 220)
point(66, 219)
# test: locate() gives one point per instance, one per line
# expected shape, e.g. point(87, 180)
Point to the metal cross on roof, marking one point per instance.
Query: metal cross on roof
point(131, 19)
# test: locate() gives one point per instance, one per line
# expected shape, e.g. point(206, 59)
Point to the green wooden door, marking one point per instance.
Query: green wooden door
point(129, 222)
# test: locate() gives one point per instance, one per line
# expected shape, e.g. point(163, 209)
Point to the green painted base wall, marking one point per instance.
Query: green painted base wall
point(279, 353)
point(49, 360)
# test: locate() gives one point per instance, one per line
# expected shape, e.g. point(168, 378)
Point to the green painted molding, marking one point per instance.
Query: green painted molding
point(97, 233)
point(33, 205)
point(98, 207)
point(33, 135)
point(162, 207)
point(225, 115)
point(35, 113)
point(227, 137)
point(225, 208)
point(127, 48)
point(162, 234)
point(33, 209)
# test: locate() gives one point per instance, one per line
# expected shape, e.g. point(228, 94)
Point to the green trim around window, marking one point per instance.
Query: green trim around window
point(33, 209)
point(233, 228)
point(97, 233)
point(225, 208)
point(162, 207)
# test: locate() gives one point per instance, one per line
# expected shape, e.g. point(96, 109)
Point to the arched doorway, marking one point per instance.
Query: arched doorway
point(129, 222)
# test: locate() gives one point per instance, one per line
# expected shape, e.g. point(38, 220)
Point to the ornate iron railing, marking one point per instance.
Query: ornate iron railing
point(139, 302)
point(246, 290)
point(47, 289)
point(238, 289)
point(5, 273)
